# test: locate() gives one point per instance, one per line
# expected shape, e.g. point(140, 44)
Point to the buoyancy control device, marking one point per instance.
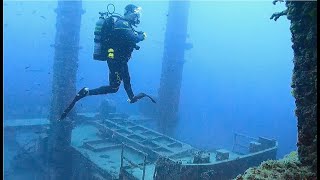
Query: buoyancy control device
point(103, 35)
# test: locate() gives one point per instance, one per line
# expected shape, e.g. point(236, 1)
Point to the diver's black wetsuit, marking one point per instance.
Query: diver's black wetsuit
point(124, 41)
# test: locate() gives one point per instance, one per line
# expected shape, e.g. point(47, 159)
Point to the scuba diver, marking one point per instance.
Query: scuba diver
point(115, 41)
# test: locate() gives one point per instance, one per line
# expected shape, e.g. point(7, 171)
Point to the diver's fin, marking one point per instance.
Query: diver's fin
point(142, 95)
point(66, 111)
point(81, 94)
point(151, 98)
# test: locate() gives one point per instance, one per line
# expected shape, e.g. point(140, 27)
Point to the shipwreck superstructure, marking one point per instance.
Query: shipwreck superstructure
point(117, 148)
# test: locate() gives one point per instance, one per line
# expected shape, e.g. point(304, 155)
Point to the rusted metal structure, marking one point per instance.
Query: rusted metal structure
point(65, 67)
point(118, 148)
point(172, 65)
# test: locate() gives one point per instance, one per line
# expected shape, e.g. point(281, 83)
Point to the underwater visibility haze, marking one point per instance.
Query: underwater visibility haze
point(234, 76)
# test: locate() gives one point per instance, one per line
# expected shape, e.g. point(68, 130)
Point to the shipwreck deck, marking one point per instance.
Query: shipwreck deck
point(102, 142)
point(117, 147)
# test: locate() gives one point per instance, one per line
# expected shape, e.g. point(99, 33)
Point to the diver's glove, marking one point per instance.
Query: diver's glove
point(144, 35)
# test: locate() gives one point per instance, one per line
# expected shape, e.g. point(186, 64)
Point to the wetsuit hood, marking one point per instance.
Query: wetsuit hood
point(133, 13)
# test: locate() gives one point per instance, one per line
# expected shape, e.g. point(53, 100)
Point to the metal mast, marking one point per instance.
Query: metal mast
point(65, 67)
point(172, 65)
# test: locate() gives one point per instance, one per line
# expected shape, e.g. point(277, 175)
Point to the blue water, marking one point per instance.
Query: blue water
point(236, 77)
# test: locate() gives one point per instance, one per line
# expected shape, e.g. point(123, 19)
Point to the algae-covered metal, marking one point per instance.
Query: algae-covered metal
point(118, 148)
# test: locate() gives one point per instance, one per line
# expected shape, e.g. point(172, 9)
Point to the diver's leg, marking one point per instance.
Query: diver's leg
point(126, 80)
point(114, 83)
point(114, 80)
point(81, 94)
point(127, 86)
point(103, 90)
point(113, 88)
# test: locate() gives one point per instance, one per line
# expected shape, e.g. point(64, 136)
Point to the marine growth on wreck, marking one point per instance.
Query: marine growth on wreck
point(163, 90)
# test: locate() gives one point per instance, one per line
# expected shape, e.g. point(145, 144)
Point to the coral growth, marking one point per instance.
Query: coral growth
point(303, 164)
point(167, 169)
point(304, 79)
point(287, 168)
point(303, 17)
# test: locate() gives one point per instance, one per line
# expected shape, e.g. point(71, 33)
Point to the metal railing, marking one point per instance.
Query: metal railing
point(237, 143)
point(131, 163)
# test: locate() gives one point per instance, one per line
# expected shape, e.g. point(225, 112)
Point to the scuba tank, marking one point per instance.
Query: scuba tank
point(102, 36)
point(97, 54)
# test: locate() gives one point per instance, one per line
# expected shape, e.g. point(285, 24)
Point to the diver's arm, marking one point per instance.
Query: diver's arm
point(134, 36)
point(128, 32)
